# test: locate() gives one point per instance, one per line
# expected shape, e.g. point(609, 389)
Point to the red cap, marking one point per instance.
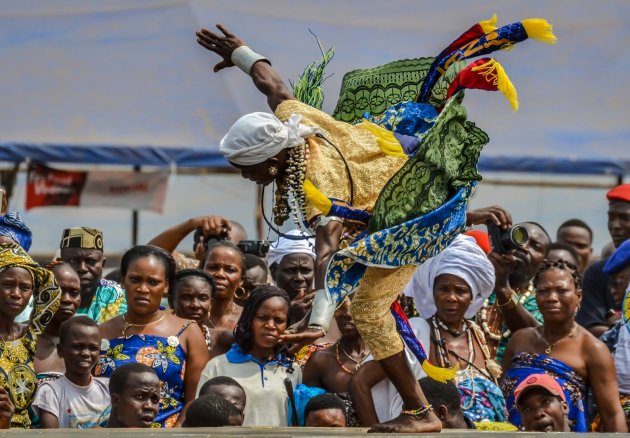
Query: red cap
point(543, 381)
point(481, 238)
point(619, 193)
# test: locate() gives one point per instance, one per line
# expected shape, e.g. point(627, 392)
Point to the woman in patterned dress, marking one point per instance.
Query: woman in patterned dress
point(172, 346)
point(564, 350)
point(21, 278)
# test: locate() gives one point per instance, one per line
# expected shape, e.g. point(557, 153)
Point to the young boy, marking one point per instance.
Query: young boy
point(211, 410)
point(135, 392)
point(226, 388)
point(325, 410)
point(77, 400)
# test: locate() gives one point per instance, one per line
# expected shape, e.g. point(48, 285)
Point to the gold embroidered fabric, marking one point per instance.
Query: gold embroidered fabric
point(370, 306)
point(369, 166)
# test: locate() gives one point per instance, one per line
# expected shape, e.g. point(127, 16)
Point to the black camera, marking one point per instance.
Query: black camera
point(504, 241)
point(208, 240)
point(259, 248)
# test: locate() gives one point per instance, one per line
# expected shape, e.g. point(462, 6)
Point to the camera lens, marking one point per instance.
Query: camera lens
point(519, 235)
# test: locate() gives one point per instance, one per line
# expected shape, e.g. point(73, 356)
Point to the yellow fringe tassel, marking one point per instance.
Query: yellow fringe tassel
point(386, 140)
point(493, 72)
point(489, 25)
point(539, 29)
point(437, 373)
point(316, 198)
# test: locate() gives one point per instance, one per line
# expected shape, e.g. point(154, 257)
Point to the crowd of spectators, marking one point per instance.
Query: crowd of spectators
point(536, 332)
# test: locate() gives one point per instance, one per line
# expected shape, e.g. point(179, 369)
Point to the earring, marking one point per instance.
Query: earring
point(273, 170)
point(240, 293)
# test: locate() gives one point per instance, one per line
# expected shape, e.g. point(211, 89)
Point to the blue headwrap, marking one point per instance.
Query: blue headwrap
point(11, 225)
point(619, 260)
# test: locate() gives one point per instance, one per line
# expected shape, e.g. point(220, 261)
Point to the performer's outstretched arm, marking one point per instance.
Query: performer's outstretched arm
point(266, 79)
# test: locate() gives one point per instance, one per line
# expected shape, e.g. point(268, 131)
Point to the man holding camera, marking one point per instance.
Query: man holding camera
point(205, 227)
point(512, 306)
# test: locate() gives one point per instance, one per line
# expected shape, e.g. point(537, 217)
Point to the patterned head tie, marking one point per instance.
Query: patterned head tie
point(82, 237)
point(13, 255)
point(12, 226)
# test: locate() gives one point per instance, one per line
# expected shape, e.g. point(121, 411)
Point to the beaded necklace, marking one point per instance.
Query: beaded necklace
point(455, 333)
point(358, 362)
point(441, 346)
point(292, 185)
point(483, 315)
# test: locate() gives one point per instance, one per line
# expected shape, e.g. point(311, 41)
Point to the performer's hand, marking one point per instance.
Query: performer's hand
point(495, 214)
point(222, 45)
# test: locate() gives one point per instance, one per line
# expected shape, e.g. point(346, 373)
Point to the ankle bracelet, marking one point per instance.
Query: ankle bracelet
point(417, 412)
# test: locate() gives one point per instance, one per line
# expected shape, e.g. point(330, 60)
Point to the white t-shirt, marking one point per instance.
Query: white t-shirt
point(267, 399)
point(387, 401)
point(76, 407)
point(622, 360)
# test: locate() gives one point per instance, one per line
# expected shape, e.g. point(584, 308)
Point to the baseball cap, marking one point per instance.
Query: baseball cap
point(619, 193)
point(543, 381)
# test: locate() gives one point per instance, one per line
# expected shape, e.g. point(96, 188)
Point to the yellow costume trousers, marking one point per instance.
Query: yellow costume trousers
point(370, 309)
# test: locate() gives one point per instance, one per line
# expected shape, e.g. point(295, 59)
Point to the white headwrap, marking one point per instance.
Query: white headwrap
point(256, 137)
point(284, 247)
point(462, 258)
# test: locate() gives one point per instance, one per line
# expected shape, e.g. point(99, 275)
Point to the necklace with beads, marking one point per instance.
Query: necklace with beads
point(483, 315)
point(442, 352)
point(357, 362)
point(292, 185)
point(455, 333)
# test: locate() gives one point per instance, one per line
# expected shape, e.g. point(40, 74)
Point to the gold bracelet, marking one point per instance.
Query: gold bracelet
point(417, 412)
point(510, 303)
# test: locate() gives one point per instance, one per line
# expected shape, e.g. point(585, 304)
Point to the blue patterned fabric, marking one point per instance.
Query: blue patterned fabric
point(406, 118)
point(165, 355)
point(481, 399)
point(409, 243)
point(11, 225)
point(574, 386)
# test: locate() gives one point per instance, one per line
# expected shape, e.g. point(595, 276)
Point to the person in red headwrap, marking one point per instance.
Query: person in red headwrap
point(599, 310)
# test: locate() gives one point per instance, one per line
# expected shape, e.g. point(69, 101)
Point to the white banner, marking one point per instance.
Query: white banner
point(47, 187)
point(132, 190)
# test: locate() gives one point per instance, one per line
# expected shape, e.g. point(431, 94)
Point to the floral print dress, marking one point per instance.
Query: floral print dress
point(165, 355)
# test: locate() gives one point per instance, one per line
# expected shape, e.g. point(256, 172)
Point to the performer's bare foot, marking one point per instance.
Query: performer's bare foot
point(428, 422)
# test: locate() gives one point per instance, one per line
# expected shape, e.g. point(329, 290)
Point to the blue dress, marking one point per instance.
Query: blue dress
point(165, 355)
point(574, 386)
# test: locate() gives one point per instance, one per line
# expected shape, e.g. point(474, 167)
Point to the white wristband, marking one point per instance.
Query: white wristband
point(322, 311)
point(244, 58)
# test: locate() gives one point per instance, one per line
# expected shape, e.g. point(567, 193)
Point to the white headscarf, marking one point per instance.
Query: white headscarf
point(256, 137)
point(462, 258)
point(284, 247)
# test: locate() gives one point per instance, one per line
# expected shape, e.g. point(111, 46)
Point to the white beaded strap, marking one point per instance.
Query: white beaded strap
point(244, 58)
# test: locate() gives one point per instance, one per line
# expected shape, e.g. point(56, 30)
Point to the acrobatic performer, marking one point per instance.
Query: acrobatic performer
point(383, 183)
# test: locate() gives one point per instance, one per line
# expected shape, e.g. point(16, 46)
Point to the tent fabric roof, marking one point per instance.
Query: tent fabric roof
point(122, 82)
